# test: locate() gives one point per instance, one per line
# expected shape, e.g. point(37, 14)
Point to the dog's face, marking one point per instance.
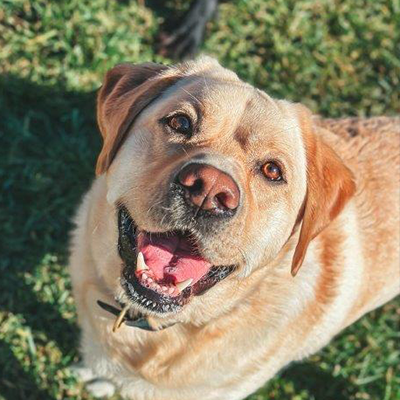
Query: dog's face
point(209, 177)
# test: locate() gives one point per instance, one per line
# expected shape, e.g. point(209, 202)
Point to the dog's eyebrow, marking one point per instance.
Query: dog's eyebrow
point(192, 95)
point(197, 105)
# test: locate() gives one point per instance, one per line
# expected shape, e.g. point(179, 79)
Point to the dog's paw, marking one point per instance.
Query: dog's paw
point(95, 385)
point(100, 388)
point(82, 373)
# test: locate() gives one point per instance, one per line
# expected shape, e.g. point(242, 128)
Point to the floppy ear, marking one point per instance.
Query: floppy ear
point(330, 185)
point(126, 91)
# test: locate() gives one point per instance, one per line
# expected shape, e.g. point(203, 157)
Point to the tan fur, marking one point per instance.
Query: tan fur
point(338, 217)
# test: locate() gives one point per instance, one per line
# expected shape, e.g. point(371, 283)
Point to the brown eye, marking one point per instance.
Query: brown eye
point(271, 171)
point(180, 124)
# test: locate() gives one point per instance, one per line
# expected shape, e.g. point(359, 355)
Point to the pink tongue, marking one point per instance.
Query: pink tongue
point(172, 258)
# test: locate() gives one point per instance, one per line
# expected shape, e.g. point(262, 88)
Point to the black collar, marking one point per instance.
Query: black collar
point(140, 321)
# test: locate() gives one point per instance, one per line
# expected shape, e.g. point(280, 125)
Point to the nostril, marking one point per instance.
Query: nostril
point(221, 199)
point(192, 183)
point(226, 200)
point(197, 186)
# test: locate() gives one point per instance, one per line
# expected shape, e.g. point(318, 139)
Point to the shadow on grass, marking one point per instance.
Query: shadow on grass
point(48, 144)
point(170, 12)
point(15, 382)
point(321, 385)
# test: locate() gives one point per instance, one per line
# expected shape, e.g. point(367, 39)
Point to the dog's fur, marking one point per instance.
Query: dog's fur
point(337, 218)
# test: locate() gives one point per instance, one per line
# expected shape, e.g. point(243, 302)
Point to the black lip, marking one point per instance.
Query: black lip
point(148, 298)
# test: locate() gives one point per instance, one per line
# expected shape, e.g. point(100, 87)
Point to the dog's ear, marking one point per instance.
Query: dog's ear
point(126, 91)
point(330, 185)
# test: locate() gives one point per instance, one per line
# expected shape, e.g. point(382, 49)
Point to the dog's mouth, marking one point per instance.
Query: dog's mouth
point(162, 271)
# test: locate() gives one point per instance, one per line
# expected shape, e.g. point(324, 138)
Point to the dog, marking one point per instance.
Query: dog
point(227, 233)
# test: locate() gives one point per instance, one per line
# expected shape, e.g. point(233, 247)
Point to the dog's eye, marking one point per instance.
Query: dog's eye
point(272, 172)
point(181, 124)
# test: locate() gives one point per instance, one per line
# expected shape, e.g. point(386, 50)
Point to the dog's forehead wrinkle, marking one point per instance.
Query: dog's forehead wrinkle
point(246, 132)
point(261, 122)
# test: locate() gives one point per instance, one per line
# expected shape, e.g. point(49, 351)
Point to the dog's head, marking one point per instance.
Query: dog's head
point(208, 176)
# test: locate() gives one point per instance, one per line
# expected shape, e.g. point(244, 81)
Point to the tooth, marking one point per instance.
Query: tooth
point(144, 276)
point(164, 288)
point(171, 290)
point(183, 285)
point(149, 281)
point(148, 302)
point(140, 263)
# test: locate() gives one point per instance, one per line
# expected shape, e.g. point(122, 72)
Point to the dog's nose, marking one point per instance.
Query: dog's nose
point(209, 188)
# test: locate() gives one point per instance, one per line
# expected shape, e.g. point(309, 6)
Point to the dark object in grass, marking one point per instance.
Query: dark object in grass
point(184, 41)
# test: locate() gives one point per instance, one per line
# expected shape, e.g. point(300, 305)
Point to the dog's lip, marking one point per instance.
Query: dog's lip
point(146, 295)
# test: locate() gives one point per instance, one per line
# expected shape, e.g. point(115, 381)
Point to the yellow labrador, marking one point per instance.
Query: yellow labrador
point(209, 197)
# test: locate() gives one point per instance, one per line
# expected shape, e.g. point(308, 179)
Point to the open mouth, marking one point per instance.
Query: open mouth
point(162, 271)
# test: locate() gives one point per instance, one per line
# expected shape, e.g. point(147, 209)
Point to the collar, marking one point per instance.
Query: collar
point(139, 321)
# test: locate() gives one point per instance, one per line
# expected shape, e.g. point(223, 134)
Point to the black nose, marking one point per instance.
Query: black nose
point(209, 188)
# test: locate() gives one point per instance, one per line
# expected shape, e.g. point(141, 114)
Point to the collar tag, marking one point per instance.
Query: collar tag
point(140, 321)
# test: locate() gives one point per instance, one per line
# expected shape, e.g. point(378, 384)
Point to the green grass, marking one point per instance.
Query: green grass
point(338, 57)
